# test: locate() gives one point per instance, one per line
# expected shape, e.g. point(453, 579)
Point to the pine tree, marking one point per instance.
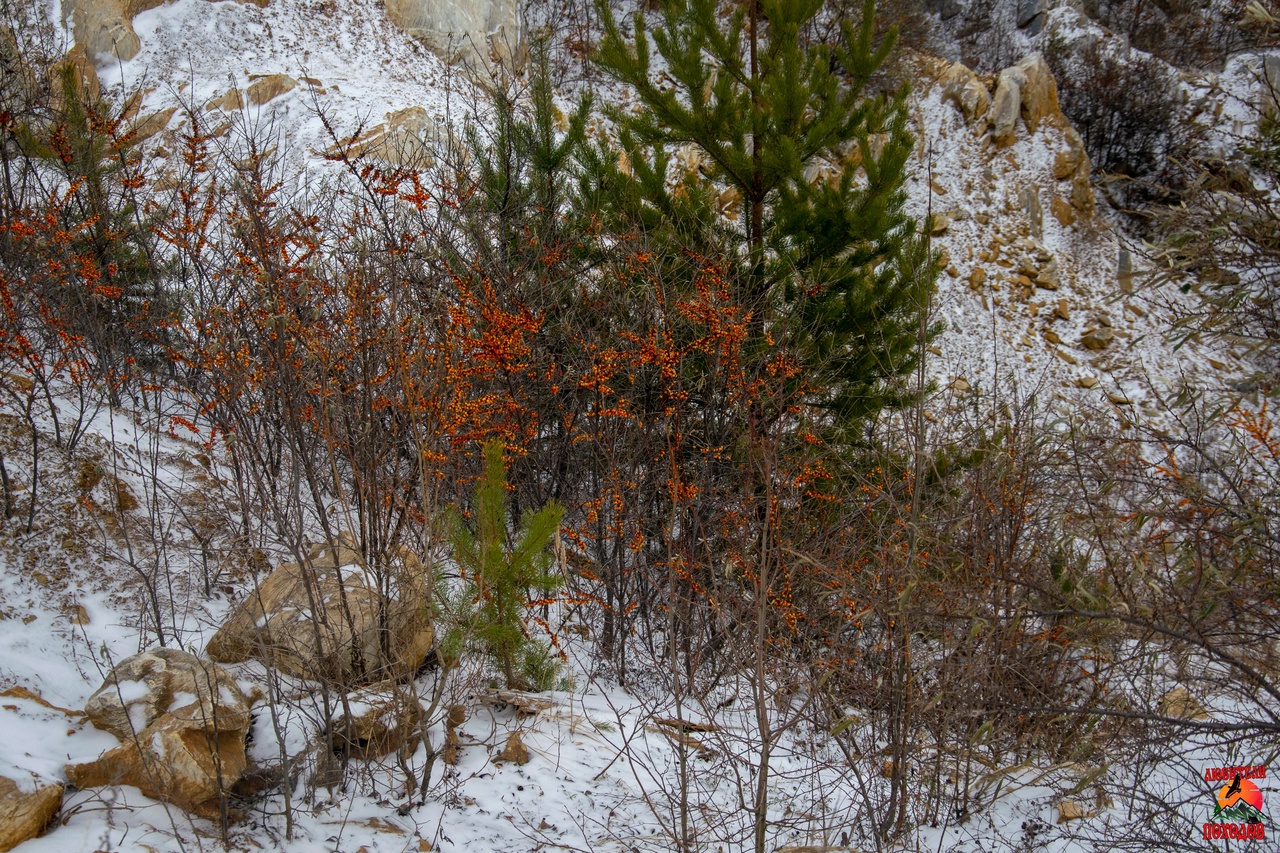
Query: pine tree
point(824, 253)
point(500, 571)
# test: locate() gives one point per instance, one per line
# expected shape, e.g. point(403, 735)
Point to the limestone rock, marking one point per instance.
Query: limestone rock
point(407, 138)
point(1039, 92)
point(229, 101)
point(1062, 211)
point(151, 124)
point(380, 722)
point(180, 758)
point(25, 813)
point(105, 27)
point(471, 32)
point(269, 87)
point(86, 75)
point(142, 688)
point(963, 87)
point(1006, 106)
point(338, 638)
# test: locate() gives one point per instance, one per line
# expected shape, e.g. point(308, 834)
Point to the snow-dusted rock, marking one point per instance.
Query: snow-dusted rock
point(25, 812)
point(142, 688)
point(184, 758)
point(464, 30)
point(183, 722)
point(1039, 93)
point(330, 619)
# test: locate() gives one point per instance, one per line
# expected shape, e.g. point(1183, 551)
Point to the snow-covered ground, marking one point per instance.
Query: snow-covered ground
point(603, 773)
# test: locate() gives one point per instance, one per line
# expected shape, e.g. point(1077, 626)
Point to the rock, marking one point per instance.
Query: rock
point(1006, 106)
point(407, 138)
point(380, 722)
point(341, 637)
point(267, 88)
point(939, 224)
point(946, 9)
point(142, 688)
point(515, 751)
point(85, 75)
point(1119, 399)
point(964, 88)
point(77, 614)
point(1097, 339)
point(182, 758)
point(105, 27)
point(1065, 163)
point(469, 32)
point(1125, 272)
point(1179, 704)
point(1029, 198)
point(978, 277)
point(24, 813)
point(1071, 810)
point(1062, 211)
point(1039, 93)
point(1063, 311)
point(1031, 15)
point(1268, 97)
point(960, 385)
point(1046, 277)
point(151, 124)
point(229, 101)
point(1087, 382)
point(1051, 336)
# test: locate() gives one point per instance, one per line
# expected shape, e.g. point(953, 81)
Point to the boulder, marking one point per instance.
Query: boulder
point(470, 32)
point(1006, 106)
point(1039, 93)
point(180, 758)
point(380, 722)
point(25, 810)
point(269, 87)
point(142, 688)
point(329, 619)
point(964, 88)
point(183, 721)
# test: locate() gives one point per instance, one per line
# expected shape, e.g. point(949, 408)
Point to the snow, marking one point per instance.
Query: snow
point(603, 774)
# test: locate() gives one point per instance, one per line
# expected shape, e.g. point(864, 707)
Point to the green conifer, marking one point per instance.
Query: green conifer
point(824, 253)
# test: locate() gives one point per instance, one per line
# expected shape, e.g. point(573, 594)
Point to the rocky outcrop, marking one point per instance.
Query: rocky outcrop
point(1006, 106)
point(105, 27)
point(407, 138)
point(1027, 91)
point(1039, 94)
point(183, 721)
point(330, 620)
point(25, 810)
point(472, 32)
point(966, 90)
